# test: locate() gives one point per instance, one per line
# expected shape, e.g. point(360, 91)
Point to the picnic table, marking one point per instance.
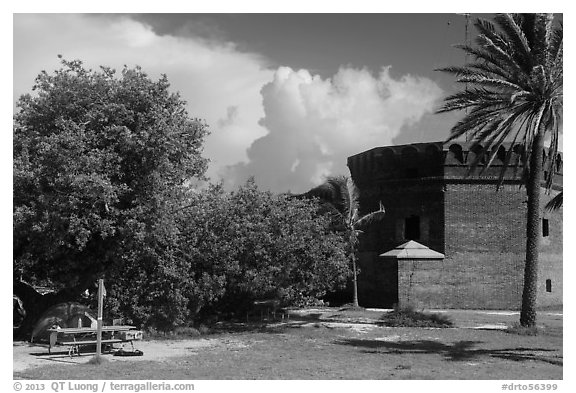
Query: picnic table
point(74, 338)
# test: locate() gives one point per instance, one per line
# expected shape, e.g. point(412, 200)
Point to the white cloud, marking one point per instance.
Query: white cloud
point(314, 124)
point(221, 84)
point(287, 128)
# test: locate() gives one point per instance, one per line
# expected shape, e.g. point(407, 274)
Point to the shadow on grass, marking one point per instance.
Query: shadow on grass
point(458, 351)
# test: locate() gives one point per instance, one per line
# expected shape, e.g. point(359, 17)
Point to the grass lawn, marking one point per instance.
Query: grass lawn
point(318, 348)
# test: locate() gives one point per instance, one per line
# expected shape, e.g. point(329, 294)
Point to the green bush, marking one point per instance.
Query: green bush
point(520, 330)
point(225, 250)
point(409, 317)
point(179, 332)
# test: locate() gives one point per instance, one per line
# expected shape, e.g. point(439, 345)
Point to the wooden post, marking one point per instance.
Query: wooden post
point(100, 309)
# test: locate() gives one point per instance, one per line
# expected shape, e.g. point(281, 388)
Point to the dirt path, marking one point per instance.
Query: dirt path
point(27, 355)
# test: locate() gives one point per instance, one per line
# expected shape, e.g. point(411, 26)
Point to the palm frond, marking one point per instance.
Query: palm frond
point(482, 54)
point(342, 194)
point(500, 50)
point(514, 34)
point(495, 139)
point(555, 203)
point(474, 97)
point(556, 46)
point(333, 191)
point(489, 82)
point(353, 199)
point(488, 69)
point(465, 70)
point(371, 217)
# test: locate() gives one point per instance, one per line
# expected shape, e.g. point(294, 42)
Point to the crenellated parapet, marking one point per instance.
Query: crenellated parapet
point(439, 160)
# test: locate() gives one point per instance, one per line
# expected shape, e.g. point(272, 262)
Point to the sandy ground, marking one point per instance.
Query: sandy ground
point(27, 355)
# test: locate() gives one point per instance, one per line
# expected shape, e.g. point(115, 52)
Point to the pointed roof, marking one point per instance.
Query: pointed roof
point(412, 250)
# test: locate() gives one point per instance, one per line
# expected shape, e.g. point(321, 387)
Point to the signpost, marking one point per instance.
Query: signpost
point(101, 292)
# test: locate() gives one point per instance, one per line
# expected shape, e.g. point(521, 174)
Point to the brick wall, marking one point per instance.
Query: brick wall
point(550, 263)
point(485, 245)
point(485, 248)
point(480, 230)
point(378, 280)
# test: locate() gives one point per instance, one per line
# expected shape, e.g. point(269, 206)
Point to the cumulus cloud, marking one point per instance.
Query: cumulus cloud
point(221, 84)
point(314, 124)
point(286, 128)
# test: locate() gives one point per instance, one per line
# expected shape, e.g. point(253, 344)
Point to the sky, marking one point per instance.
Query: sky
point(287, 97)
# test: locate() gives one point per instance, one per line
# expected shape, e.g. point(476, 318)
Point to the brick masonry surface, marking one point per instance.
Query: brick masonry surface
point(479, 228)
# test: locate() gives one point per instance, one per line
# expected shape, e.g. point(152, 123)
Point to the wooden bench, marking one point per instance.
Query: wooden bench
point(265, 307)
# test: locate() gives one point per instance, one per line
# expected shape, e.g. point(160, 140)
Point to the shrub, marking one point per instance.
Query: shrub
point(409, 317)
point(520, 330)
point(225, 250)
point(179, 332)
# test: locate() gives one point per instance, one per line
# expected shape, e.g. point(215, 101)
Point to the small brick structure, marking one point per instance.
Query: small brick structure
point(433, 198)
point(414, 262)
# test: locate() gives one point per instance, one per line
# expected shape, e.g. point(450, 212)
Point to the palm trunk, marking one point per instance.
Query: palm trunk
point(354, 282)
point(529, 294)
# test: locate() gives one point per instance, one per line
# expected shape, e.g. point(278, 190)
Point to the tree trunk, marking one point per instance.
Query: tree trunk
point(529, 294)
point(354, 282)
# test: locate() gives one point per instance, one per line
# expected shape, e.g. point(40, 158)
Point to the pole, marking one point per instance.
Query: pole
point(100, 309)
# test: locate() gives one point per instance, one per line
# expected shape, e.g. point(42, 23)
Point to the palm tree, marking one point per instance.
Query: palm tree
point(514, 93)
point(342, 199)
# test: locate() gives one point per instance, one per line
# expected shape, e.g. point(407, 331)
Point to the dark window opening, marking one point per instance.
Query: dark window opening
point(545, 227)
point(548, 285)
point(501, 154)
point(412, 228)
point(558, 163)
point(411, 173)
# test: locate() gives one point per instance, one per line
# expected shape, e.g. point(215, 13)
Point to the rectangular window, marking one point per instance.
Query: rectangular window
point(412, 228)
point(545, 227)
point(411, 173)
point(548, 285)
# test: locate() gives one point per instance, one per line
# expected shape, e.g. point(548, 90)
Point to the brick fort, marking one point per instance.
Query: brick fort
point(451, 238)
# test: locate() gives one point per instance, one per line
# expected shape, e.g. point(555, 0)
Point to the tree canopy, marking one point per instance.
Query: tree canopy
point(513, 87)
point(98, 159)
point(103, 167)
point(227, 249)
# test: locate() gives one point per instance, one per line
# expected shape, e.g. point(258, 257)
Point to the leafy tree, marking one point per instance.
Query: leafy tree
point(289, 250)
point(342, 197)
point(99, 161)
point(229, 249)
point(514, 92)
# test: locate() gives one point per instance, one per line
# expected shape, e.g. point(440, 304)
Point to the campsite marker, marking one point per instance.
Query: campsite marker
point(101, 293)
